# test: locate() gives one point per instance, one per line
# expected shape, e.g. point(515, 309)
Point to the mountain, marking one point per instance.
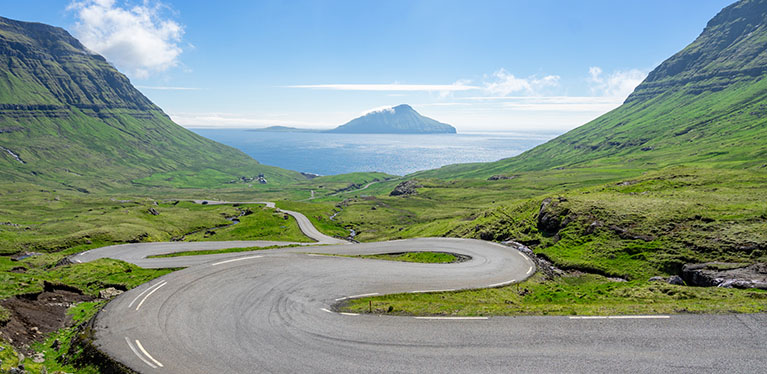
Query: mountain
point(705, 104)
point(68, 117)
point(401, 119)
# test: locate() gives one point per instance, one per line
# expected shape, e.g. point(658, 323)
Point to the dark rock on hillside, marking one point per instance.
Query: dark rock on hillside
point(720, 274)
point(498, 177)
point(406, 188)
point(550, 215)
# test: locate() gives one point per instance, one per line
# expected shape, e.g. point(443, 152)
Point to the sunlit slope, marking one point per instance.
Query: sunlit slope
point(68, 117)
point(706, 104)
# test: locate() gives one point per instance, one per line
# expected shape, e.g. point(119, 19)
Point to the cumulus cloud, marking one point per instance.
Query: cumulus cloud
point(616, 84)
point(503, 83)
point(138, 39)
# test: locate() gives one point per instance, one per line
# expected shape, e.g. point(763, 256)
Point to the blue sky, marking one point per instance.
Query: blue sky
point(545, 66)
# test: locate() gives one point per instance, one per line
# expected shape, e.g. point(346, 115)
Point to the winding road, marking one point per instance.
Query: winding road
point(271, 311)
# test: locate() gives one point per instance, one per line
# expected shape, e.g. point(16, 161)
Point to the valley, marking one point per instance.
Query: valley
point(647, 223)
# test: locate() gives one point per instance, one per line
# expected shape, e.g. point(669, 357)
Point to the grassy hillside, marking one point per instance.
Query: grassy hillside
point(69, 119)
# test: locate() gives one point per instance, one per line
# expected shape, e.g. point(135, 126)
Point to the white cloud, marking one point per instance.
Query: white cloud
point(393, 87)
point(379, 109)
point(504, 83)
point(138, 39)
point(619, 83)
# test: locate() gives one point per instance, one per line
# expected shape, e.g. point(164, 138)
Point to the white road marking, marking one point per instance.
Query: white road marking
point(325, 310)
point(356, 296)
point(502, 283)
point(143, 292)
point(132, 348)
point(620, 317)
point(315, 255)
point(138, 343)
point(77, 261)
point(425, 291)
point(149, 294)
point(349, 314)
point(453, 318)
point(233, 260)
point(530, 269)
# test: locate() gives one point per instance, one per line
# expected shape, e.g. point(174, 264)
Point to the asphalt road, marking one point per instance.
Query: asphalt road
point(271, 311)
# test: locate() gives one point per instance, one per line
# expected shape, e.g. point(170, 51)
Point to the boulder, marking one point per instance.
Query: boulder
point(109, 293)
point(657, 279)
point(153, 211)
point(406, 188)
point(676, 280)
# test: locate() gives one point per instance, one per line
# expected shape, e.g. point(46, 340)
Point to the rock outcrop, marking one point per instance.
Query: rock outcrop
point(406, 188)
point(720, 274)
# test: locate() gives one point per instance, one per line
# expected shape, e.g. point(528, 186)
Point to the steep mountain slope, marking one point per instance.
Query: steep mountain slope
point(401, 119)
point(68, 117)
point(706, 104)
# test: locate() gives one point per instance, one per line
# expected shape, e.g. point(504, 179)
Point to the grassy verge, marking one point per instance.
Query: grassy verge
point(569, 295)
point(421, 257)
point(218, 251)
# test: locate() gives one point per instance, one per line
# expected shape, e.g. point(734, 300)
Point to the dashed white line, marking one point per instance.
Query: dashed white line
point(138, 343)
point(132, 348)
point(620, 317)
point(349, 314)
point(233, 260)
point(453, 318)
point(325, 310)
point(149, 294)
point(315, 255)
point(530, 269)
point(145, 291)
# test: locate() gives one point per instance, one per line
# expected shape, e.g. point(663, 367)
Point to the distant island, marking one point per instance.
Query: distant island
point(401, 119)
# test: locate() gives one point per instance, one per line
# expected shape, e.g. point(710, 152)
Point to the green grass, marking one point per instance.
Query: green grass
point(260, 223)
point(570, 295)
point(420, 257)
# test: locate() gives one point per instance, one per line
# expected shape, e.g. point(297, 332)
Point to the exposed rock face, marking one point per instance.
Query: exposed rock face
point(498, 177)
point(406, 188)
point(550, 215)
point(401, 119)
point(720, 274)
point(676, 280)
point(153, 212)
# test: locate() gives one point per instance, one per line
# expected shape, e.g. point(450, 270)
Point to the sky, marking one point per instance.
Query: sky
point(539, 66)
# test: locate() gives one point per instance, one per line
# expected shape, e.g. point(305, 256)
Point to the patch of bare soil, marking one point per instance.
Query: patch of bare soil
point(35, 315)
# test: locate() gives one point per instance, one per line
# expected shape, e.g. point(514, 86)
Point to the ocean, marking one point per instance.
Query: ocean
point(328, 153)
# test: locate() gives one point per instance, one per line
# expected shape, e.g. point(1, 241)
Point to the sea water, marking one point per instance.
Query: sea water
point(328, 153)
